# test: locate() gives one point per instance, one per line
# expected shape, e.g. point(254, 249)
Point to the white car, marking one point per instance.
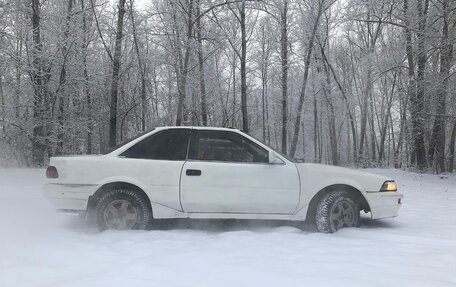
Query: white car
point(212, 173)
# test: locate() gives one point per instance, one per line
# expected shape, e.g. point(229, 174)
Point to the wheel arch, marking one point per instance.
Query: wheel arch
point(102, 190)
point(359, 197)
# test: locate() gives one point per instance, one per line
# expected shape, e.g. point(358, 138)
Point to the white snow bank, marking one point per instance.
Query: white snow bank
point(39, 247)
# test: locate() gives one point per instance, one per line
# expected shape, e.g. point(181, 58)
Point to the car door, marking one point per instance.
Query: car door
point(155, 163)
point(228, 173)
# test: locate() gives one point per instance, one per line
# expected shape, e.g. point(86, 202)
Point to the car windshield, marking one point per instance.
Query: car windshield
point(124, 142)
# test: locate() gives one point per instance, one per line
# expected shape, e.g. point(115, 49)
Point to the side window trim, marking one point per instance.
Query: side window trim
point(227, 161)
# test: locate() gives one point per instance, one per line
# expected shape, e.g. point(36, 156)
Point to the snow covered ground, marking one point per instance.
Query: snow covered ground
point(39, 247)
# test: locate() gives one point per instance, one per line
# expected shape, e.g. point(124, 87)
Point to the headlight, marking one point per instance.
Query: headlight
point(389, 185)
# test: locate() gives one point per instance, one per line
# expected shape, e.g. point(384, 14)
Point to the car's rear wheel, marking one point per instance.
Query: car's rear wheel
point(123, 209)
point(336, 210)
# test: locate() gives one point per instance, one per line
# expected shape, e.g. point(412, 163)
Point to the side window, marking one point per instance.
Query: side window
point(165, 145)
point(225, 146)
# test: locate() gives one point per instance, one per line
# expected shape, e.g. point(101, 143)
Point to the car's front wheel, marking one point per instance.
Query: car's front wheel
point(336, 210)
point(123, 209)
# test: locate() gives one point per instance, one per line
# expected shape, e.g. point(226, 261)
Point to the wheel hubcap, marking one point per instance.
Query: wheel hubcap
point(343, 215)
point(120, 214)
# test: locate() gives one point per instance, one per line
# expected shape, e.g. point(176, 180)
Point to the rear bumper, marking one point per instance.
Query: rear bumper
point(384, 204)
point(69, 197)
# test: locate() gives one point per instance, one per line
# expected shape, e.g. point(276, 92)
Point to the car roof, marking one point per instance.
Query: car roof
point(197, 128)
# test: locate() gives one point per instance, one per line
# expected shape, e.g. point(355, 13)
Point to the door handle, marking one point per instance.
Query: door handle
point(193, 172)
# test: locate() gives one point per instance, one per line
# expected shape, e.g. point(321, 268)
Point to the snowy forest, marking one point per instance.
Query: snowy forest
point(353, 82)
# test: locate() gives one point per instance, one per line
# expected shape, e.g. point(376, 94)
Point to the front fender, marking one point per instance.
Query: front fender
point(315, 177)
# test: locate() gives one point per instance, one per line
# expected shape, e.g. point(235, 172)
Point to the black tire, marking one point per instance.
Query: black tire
point(336, 210)
point(123, 209)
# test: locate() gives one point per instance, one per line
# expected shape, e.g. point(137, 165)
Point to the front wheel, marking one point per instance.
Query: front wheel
point(336, 210)
point(123, 209)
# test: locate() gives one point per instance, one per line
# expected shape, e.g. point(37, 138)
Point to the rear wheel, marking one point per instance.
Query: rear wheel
point(336, 210)
point(123, 209)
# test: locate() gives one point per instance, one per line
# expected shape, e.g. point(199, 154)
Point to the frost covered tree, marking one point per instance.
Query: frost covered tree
point(341, 82)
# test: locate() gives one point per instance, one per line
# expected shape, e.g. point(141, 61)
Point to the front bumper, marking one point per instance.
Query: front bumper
point(384, 204)
point(69, 197)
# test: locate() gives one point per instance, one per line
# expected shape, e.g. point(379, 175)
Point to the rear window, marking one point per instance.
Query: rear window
point(169, 144)
point(124, 142)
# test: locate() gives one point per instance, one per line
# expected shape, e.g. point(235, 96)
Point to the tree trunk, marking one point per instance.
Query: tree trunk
point(266, 104)
point(265, 50)
point(315, 127)
point(61, 90)
point(362, 132)
point(19, 46)
point(331, 114)
point(452, 143)
point(86, 87)
point(417, 100)
point(142, 70)
point(38, 78)
point(446, 55)
point(372, 126)
point(2, 103)
point(302, 93)
point(368, 94)
point(184, 69)
point(402, 131)
point(245, 119)
point(233, 71)
point(201, 67)
point(345, 98)
point(381, 152)
point(411, 90)
point(284, 58)
point(115, 74)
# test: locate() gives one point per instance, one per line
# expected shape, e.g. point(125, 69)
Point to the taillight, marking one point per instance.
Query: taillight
point(51, 172)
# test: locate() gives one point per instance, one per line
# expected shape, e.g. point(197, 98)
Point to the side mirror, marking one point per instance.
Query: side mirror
point(273, 159)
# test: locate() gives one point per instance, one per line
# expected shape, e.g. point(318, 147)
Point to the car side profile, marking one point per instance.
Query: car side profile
point(212, 173)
